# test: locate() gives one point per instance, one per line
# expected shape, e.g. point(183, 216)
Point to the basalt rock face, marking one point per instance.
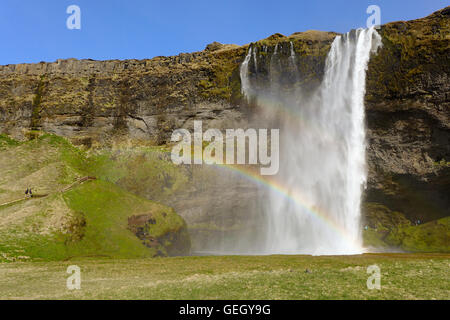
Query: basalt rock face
point(95, 103)
point(408, 117)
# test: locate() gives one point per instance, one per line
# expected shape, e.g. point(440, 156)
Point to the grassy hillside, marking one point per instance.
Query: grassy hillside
point(388, 229)
point(66, 219)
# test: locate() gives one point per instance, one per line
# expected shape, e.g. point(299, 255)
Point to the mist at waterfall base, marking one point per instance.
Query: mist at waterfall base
point(322, 150)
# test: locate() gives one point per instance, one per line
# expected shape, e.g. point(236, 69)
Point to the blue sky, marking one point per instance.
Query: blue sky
point(34, 31)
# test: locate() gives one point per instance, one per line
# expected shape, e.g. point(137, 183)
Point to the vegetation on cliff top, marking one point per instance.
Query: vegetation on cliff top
point(410, 51)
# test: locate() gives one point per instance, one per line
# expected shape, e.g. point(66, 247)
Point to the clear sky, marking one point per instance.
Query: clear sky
point(34, 31)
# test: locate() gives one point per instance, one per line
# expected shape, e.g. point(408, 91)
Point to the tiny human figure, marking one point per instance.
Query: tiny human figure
point(26, 192)
point(31, 194)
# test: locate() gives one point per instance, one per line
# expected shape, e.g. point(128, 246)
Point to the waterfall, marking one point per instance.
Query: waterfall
point(255, 61)
point(292, 56)
point(245, 83)
point(322, 160)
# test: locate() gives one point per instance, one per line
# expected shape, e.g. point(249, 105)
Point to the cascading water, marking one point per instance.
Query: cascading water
point(322, 160)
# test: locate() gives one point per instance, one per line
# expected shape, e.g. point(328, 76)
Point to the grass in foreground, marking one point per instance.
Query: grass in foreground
point(403, 276)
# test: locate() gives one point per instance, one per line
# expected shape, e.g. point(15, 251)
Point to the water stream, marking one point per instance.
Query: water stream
point(323, 141)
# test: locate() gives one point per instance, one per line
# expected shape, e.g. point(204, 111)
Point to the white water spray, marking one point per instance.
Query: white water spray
point(292, 56)
point(255, 61)
point(323, 161)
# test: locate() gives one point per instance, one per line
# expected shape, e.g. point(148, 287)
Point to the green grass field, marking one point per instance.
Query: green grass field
point(403, 276)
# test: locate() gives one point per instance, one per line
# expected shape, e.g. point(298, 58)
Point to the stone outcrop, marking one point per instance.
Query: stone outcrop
point(408, 117)
point(173, 242)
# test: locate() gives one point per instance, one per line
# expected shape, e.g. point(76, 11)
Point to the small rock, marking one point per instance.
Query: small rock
point(214, 46)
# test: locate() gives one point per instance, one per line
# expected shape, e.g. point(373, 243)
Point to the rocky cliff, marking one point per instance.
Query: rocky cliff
point(98, 103)
point(407, 104)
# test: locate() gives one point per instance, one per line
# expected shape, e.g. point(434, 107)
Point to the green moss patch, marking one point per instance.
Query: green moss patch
point(433, 236)
point(390, 229)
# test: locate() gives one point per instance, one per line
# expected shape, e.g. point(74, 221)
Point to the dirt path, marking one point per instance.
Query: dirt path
point(69, 187)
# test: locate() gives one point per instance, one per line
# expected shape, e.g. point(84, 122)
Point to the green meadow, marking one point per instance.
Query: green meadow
point(403, 276)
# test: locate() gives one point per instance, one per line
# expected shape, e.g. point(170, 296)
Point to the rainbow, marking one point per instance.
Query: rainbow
point(294, 196)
